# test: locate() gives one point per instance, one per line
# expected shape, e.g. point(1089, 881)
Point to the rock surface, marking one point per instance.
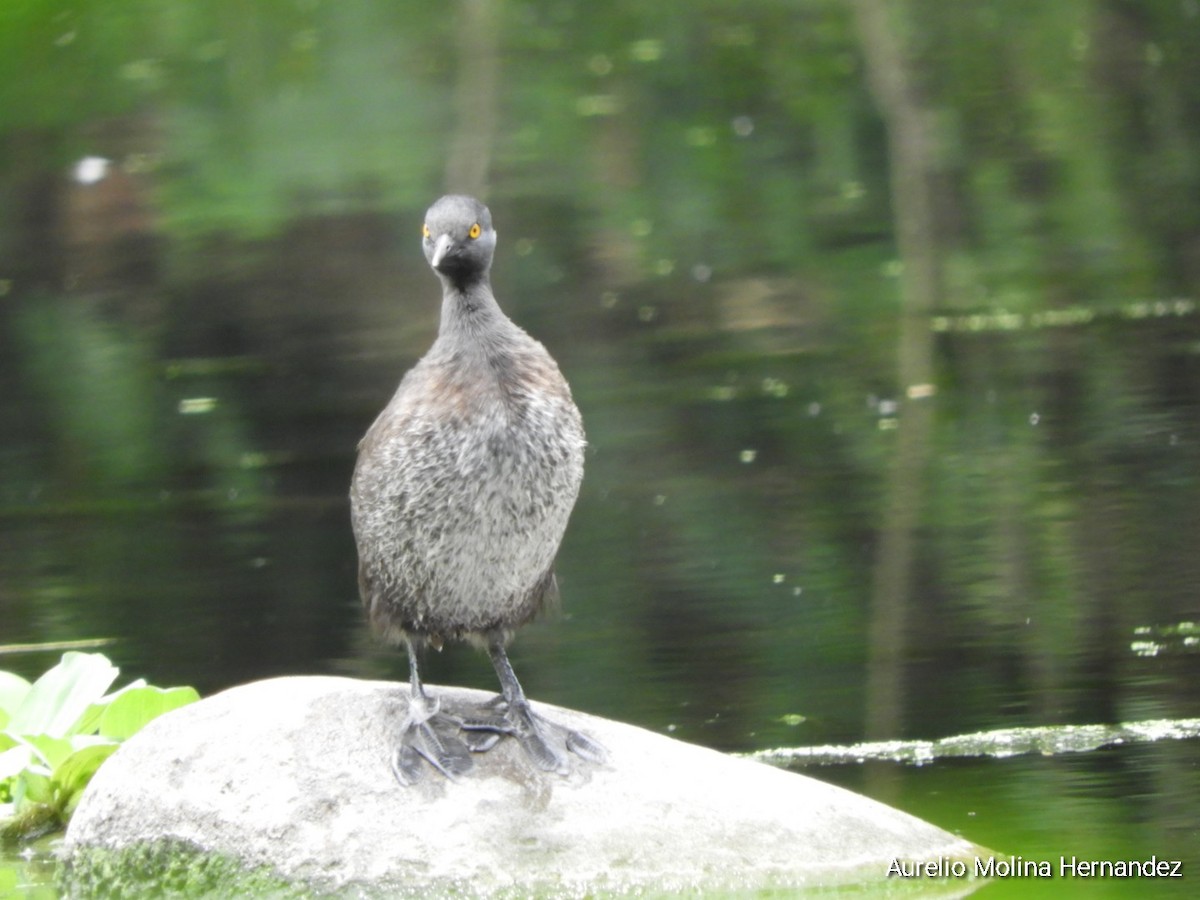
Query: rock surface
point(291, 776)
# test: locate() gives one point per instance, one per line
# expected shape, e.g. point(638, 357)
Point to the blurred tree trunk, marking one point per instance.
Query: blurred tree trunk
point(615, 250)
point(470, 157)
point(912, 156)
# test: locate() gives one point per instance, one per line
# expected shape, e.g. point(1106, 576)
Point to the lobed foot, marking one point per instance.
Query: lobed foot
point(547, 743)
point(434, 737)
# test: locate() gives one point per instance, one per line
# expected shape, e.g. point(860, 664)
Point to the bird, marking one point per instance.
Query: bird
point(460, 497)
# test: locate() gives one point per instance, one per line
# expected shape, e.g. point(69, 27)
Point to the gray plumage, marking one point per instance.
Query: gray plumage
point(463, 488)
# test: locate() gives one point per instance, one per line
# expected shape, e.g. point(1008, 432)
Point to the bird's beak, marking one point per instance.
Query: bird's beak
point(440, 249)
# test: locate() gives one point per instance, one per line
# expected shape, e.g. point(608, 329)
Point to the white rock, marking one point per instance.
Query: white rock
point(292, 776)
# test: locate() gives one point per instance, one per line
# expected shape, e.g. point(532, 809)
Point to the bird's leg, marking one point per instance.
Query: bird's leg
point(427, 733)
point(416, 690)
point(545, 741)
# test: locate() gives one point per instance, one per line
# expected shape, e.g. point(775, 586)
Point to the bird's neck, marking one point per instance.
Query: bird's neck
point(469, 309)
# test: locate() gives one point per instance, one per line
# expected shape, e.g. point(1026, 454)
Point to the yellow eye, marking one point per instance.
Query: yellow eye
point(474, 232)
point(425, 231)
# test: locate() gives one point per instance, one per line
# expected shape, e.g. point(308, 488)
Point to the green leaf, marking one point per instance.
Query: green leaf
point(50, 750)
point(33, 787)
point(132, 686)
point(132, 709)
point(73, 775)
point(89, 722)
point(13, 760)
point(61, 697)
point(13, 689)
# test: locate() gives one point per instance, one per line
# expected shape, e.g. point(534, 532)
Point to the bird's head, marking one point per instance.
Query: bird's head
point(458, 238)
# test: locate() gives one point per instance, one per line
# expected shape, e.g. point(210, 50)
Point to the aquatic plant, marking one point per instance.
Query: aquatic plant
point(56, 732)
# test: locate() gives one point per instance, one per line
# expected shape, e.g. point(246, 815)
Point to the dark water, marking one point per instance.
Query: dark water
point(694, 217)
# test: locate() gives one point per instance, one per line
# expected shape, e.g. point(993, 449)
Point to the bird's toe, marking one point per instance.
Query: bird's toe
point(547, 743)
point(434, 737)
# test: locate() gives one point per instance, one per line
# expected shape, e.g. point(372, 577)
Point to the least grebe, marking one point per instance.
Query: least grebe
point(460, 498)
